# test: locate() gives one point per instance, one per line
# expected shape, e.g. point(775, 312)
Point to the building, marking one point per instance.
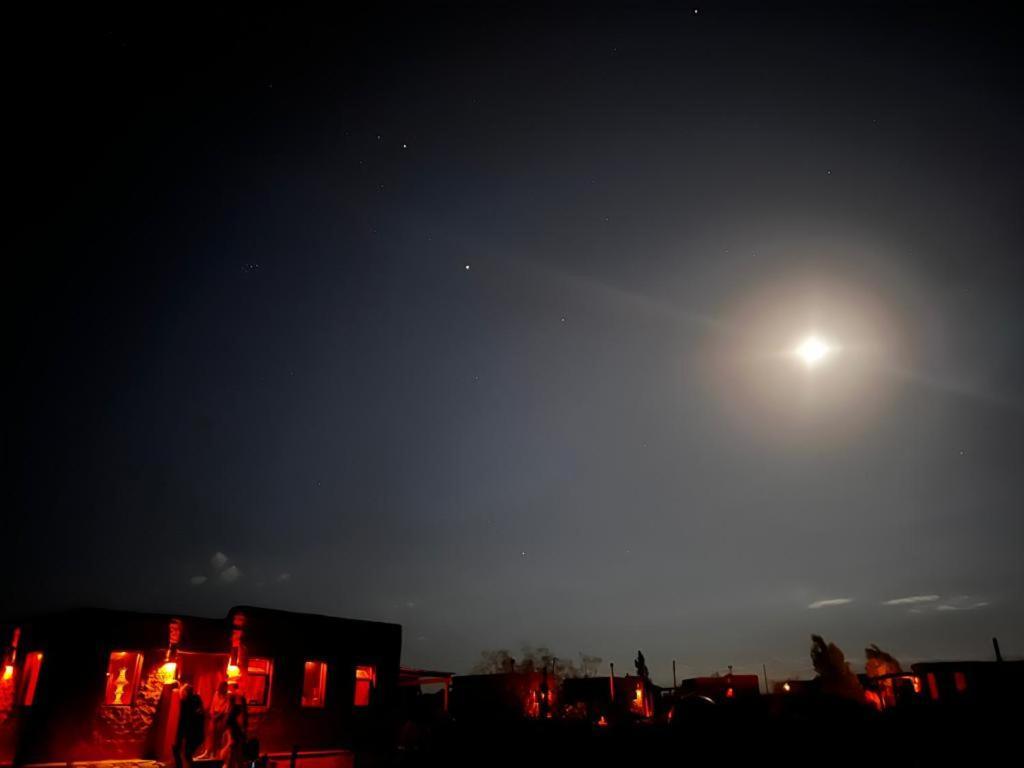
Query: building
point(93, 684)
point(504, 696)
point(721, 689)
point(972, 683)
point(611, 699)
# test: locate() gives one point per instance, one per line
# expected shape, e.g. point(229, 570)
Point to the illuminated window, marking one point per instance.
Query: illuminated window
point(29, 678)
point(366, 681)
point(314, 684)
point(960, 681)
point(168, 672)
point(257, 683)
point(933, 686)
point(123, 671)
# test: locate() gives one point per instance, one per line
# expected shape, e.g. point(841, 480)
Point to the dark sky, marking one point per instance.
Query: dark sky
point(479, 318)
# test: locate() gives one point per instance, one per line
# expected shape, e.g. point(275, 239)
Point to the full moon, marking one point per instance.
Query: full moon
point(812, 351)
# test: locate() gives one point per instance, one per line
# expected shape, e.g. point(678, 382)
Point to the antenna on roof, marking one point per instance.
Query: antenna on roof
point(995, 645)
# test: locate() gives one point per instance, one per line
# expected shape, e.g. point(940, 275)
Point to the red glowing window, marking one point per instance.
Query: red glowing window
point(123, 672)
point(314, 684)
point(960, 681)
point(29, 678)
point(257, 683)
point(933, 686)
point(366, 681)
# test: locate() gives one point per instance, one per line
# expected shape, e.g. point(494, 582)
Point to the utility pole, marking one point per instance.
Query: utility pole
point(611, 679)
point(674, 683)
point(764, 671)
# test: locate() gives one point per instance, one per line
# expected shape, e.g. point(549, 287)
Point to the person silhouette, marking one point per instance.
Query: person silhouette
point(191, 726)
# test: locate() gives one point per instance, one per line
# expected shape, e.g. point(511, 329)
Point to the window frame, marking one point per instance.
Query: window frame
point(307, 701)
point(28, 682)
point(134, 680)
point(268, 677)
point(367, 683)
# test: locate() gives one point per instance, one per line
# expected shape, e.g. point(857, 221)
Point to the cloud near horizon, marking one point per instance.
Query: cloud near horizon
point(947, 607)
point(912, 599)
point(827, 603)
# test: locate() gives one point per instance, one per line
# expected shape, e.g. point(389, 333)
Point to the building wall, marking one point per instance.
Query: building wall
point(69, 720)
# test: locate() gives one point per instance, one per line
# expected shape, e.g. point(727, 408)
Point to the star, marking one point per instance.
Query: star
point(467, 267)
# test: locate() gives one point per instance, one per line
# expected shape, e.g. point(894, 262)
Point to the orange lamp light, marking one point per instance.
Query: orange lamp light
point(168, 672)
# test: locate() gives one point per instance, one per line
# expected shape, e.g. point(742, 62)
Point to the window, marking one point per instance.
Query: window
point(314, 684)
point(122, 677)
point(933, 686)
point(30, 678)
point(366, 681)
point(257, 683)
point(960, 681)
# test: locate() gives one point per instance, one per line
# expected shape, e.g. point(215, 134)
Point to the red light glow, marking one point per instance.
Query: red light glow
point(30, 678)
point(960, 681)
point(933, 686)
point(873, 699)
point(366, 680)
point(314, 684)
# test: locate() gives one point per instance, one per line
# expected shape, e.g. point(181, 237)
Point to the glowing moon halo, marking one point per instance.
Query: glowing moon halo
point(813, 350)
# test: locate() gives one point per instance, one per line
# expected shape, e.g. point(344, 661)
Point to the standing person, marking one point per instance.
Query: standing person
point(217, 722)
point(237, 729)
point(190, 726)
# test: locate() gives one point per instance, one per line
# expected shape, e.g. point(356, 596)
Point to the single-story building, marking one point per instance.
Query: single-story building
point(89, 685)
point(721, 689)
point(504, 696)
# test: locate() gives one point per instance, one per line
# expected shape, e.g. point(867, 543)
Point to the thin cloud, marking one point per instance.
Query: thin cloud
point(947, 607)
point(219, 560)
point(912, 599)
point(230, 574)
point(954, 603)
point(828, 603)
point(196, 581)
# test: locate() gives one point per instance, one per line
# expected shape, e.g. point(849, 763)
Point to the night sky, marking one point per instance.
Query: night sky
point(479, 318)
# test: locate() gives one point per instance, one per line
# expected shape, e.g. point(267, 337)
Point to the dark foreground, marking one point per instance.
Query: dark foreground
point(825, 734)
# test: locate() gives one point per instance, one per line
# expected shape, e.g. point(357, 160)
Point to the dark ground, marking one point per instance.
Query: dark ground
point(821, 735)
